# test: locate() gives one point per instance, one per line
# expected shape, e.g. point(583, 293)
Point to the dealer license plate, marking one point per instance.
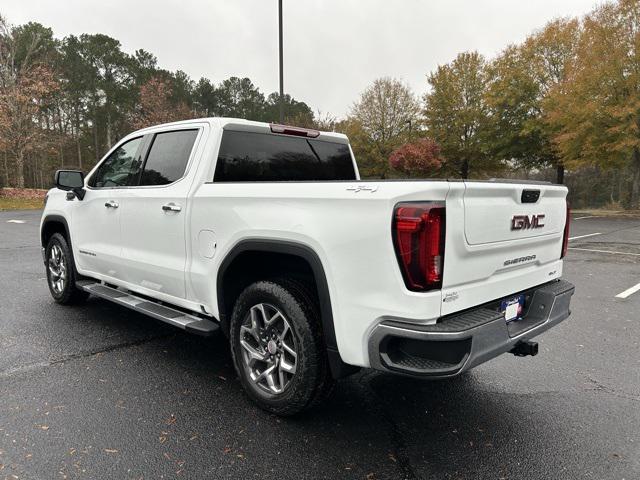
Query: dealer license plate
point(513, 308)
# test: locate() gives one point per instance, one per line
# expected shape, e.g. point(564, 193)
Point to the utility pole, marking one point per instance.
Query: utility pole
point(281, 99)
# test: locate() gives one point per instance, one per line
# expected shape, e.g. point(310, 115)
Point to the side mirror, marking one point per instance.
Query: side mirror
point(71, 181)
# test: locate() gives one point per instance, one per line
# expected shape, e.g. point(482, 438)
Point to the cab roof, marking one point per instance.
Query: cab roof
point(240, 124)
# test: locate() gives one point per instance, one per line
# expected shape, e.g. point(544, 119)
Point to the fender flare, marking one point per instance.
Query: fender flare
point(288, 248)
point(338, 367)
point(54, 219)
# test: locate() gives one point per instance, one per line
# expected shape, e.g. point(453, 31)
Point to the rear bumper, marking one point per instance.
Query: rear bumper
point(462, 341)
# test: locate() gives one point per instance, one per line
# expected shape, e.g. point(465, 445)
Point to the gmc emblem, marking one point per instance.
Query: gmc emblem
point(525, 222)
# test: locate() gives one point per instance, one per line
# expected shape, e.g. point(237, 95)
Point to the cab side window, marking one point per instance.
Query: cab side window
point(168, 157)
point(121, 168)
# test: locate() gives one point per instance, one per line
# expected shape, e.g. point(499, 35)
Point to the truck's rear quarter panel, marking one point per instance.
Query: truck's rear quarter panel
point(350, 232)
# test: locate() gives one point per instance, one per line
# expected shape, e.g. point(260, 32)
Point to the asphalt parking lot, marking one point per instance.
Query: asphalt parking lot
point(101, 392)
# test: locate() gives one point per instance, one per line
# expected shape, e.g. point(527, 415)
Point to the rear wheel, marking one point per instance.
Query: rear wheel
point(61, 276)
point(277, 347)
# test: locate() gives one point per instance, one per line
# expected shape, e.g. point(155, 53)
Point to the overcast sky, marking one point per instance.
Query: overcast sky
point(333, 48)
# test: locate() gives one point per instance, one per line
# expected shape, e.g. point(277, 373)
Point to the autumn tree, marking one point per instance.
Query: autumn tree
point(597, 110)
point(365, 151)
point(158, 105)
point(456, 114)
point(387, 111)
point(518, 95)
point(420, 158)
point(25, 86)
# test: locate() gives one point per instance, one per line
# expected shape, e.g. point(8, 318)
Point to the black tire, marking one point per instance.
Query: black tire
point(65, 292)
point(312, 381)
point(327, 382)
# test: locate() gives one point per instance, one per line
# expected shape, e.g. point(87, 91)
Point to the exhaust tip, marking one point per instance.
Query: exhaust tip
point(525, 348)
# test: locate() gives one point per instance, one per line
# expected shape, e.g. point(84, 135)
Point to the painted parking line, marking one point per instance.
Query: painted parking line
point(585, 236)
point(16, 221)
point(604, 251)
point(588, 216)
point(629, 291)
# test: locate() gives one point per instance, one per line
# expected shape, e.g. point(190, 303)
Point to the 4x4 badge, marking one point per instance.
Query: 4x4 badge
point(361, 188)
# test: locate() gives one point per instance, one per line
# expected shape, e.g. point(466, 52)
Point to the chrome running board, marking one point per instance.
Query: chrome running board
point(177, 318)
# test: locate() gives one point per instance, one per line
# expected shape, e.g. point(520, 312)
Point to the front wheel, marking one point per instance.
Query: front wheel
point(61, 272)
point(277, 347)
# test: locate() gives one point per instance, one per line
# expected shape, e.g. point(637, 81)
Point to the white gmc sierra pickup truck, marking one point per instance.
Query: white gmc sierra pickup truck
point(267, 233)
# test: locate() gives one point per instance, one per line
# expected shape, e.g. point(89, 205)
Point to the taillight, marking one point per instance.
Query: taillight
point(418, 237)
point(565, 239)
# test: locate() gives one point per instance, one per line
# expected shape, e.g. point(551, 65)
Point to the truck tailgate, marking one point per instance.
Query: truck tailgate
point(502, 238)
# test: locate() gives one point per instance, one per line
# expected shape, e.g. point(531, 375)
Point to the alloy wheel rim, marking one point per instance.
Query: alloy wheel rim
point(57, 269)
point(269, 349)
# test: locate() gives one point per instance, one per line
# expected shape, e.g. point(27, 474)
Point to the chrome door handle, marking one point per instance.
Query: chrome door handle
point(171, 207)
point(111, 204)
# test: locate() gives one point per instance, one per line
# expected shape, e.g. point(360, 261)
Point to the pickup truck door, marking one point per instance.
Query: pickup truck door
point(95, 223)
point(153, 215)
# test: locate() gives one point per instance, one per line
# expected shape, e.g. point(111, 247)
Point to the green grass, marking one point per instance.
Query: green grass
point(7, 203)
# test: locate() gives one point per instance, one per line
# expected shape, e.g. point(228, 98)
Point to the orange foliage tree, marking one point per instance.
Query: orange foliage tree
point(157, 106)
point(25, 88)
point(419, 158)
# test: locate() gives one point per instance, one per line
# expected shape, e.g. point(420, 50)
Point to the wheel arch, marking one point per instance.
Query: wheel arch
point(54, 224)
point(293, 250)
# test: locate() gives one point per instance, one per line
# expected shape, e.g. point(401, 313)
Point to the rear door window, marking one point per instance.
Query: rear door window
point(263, 157)
point(168, 157)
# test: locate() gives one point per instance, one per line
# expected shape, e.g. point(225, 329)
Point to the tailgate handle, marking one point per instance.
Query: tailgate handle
point(530, 196)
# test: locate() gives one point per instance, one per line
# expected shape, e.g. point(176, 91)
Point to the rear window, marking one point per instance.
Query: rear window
point(263, 157)
point(168, 157)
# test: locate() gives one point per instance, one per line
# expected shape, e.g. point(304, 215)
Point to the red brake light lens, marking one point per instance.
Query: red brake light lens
point(565, 239)
point(418, 237)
